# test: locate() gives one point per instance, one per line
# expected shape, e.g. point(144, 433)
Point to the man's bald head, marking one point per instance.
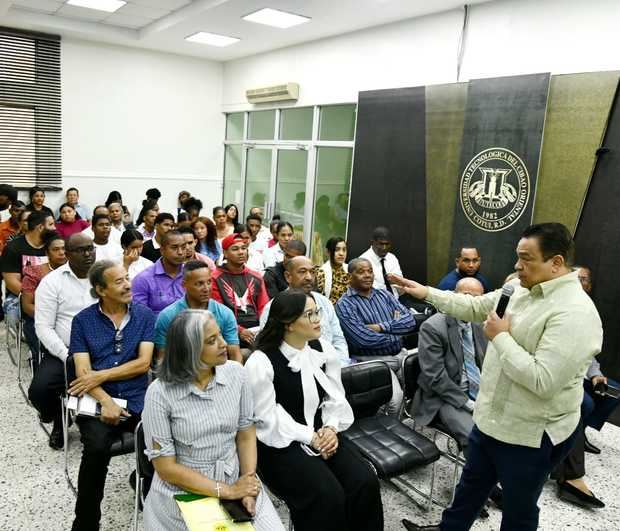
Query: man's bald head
point(469, 286)
point(81, 253)
point(299, 273)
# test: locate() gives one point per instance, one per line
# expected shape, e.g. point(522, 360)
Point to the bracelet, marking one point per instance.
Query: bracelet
point(217, 488)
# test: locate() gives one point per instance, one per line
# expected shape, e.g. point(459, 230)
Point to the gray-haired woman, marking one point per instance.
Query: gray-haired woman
point(198, 427)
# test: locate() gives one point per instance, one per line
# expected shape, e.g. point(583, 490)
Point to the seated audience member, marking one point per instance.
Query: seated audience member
point(375, 324)
point(192, 206)
point(197, 286)
point(333, 276)
point(467, 265)
point(107, 248)
point(239, 288)
point(382, 260)
point(595, 410)
point(190, 452)
point(183, 220)
point(60, 296)
point(222, 227)
point(257, 245)
point(300, 274)
point(22, 219)
point(161, 284)
point(190, 248)
point(133, 261)
point(73, 198)
point(11, 227)
point(8, 197)
point(264, 233)
point(183, 196)
point(299, 408)
point(164, 222)
point(111, 347)
point(147, 226)
point(150, 203)
point(24, 251)
point(274, 278)
point(54, 245)
point(232, 215)
point(275, 254)
point(206, 236)
point(273, 226)
point(116, 218)
point(37, 198)
point(68, 222)
point(255, 260)
point(451, 354)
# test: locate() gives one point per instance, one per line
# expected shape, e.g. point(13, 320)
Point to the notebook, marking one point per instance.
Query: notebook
point(202, 513)
point(87, 405)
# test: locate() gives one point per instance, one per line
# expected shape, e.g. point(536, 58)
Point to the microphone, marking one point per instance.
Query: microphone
point(507, 292)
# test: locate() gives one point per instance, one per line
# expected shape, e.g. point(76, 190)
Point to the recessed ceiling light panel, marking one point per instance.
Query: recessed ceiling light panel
point(276, 18)
point(212, 39)
point(100, 5)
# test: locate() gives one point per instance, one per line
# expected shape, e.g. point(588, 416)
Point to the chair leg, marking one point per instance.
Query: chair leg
point(136, 509)
point(65, 438)
point(12, 335)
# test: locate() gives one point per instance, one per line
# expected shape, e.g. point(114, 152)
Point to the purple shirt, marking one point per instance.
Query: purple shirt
point(154, 288)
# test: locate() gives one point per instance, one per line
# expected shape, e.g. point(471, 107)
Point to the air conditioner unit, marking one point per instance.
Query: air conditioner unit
point(289, 91)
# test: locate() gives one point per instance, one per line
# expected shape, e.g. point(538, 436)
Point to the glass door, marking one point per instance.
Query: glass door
point(290, 187)
point(258, 179)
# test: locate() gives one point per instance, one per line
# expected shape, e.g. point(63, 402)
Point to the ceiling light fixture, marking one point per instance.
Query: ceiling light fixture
point(212, 39)
point(100, 5)
point(275, 18)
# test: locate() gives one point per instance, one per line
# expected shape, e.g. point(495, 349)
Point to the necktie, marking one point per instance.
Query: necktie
point(388, 286)
point(471, 369)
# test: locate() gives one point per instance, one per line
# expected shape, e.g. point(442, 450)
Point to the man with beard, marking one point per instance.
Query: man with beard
point(467, 265)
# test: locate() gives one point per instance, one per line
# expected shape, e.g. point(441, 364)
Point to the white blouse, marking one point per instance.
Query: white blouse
point(274, 425)
point(273, 255)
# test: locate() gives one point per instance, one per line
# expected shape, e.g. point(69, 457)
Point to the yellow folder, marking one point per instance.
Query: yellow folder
point(207, 514)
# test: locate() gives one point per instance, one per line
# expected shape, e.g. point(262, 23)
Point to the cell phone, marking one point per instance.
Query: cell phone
point(607, 390)
point(236, 511)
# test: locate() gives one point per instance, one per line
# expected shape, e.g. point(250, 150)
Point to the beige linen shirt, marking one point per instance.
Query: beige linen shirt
point(532, 376)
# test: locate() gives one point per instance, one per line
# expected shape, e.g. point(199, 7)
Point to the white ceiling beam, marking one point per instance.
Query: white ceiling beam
point(4, 7)
point(178, 16)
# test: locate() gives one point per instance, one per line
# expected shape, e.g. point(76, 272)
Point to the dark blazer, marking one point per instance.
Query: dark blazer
point(441, 364)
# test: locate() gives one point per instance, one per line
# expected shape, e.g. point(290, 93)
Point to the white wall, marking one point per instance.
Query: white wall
point(504, 38)
point(135, 119)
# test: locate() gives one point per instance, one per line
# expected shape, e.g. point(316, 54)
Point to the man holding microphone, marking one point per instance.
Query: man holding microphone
point(528, 407)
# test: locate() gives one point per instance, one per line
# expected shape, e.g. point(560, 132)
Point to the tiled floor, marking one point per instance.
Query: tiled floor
point(34, 494)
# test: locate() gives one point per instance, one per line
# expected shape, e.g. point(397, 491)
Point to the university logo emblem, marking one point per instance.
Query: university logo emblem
point(495, 189)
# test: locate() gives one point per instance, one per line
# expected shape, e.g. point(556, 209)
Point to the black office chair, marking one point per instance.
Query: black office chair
point(411, 372)
point(144, 473)
point(124, 443)
point(13, 334)
point(391, 447)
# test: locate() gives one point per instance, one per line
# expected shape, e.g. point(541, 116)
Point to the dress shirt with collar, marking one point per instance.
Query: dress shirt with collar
point(115, 234)
point(330, 326)
point(533, 375)
point(95, 333)
point(392, 265)
point(145, 233)
point(355, 311)
point(59, 297)
point(274, 425)
point(273, 255)
point(156, 289)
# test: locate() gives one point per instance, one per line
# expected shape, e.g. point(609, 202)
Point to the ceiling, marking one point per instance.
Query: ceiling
point(163, 24)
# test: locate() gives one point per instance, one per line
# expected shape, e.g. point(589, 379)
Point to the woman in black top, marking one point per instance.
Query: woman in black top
point(37, 198)
point(300, 407)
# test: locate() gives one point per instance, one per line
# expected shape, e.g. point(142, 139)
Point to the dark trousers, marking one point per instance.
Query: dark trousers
point(340, 494)
point(47, 387)
point(521, 471)
point(32, 340)
point(97, 438)
point(595, 410)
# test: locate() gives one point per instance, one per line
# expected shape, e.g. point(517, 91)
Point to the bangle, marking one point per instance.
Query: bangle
point(217, 488)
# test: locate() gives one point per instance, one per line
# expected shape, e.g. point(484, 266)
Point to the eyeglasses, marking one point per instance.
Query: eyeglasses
point(118, 345)
point(88, 249)
point(313, 316)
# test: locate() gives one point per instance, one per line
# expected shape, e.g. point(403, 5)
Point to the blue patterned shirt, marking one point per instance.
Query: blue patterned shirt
point(94, 332)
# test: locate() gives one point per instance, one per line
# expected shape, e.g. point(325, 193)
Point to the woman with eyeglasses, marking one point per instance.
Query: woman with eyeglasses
point(199, 427)
point(300, 408)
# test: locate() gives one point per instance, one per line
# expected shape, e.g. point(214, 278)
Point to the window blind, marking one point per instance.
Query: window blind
point(30, 112)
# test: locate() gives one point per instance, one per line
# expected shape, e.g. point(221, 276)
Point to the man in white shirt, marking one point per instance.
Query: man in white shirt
point(263, 232)
point(382, 260)
point(299, 273)
point(61, 294)
point(107, 248)
point(256, 245)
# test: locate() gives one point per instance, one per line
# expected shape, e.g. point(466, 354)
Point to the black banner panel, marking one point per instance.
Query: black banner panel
point(502, 138)
point(597, 240)
point(389, 181)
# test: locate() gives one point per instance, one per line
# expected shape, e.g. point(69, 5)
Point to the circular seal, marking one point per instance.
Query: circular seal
point(494, 189)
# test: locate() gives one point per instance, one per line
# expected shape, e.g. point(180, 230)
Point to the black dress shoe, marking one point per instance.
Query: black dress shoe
point(56, 440)
point(410, 526)
point(571, 494)
point(590, 448)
